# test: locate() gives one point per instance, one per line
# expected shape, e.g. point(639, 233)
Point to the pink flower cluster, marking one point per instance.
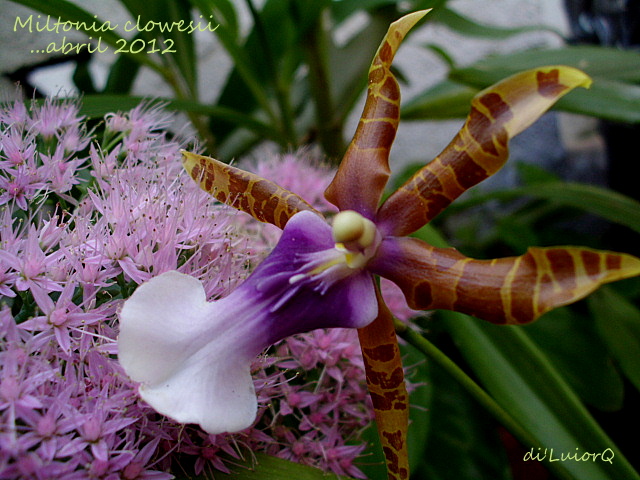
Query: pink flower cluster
point(87, 215)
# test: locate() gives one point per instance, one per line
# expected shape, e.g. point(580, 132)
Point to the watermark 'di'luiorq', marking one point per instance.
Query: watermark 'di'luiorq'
point(577, 456)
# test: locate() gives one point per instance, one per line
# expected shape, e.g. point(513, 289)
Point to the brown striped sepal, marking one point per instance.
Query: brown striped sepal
point(511, 290)
point(480, 148)
point(385, 380)
point(262, 199)
point(364, 170)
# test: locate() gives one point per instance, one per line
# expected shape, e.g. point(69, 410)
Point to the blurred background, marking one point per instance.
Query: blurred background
point(460, 36)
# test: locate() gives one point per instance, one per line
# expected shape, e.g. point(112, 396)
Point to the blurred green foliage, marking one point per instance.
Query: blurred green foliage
point(291, 82)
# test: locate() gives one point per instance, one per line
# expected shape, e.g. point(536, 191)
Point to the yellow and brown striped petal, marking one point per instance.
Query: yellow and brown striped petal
point(511, 290)
point(385, 380)
point(480, 148)
point(262, 199)
point(364, 171)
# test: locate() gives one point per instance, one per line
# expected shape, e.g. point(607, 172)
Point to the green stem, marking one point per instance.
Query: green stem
point(329, 130)
point(181, 89)
point(418, 341)
point(279, 84)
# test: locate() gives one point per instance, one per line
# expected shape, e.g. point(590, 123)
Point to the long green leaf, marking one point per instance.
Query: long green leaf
point(96, 106)
point(614, 94)
point(122, 74)
point(618, 321)
point(445, 100)
point(250, 86)
point(421, 398)
point(224, 13)
point(602, 62)
point(458, 428)
point(470, 28)
point(265, 467)
point(607, 99)
point(584, 361)
point(185, 61)
point(343, 9)
point(610, 205)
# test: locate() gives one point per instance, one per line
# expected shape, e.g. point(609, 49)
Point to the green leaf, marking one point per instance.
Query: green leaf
point(462, 442)
point(607, 99)
point(373, 465)
point(618, 322)
point(82, 76)
point(607, 204)
point(526, 384)
point(348, 65)
point(223, 11)
point(610, 205)
point(266, 467)
point(573, 345)
point(516, 232)
point(96, 106)
point(420, 400)
point(180, 66)
point(601, 62)
point(431, 236)
point(445, 100)
point(122, 74)
point(270, 47)
point(345, 8)
point(470, 28)
point(184, 62)
point(530, 174)
point(613, 95)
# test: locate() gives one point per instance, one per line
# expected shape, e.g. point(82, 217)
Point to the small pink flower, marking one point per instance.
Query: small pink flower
point(53, 117)
point(16, 148)
point(61, 318)
point(60, 170)
point(19, 189)
point(14, 114)
point(32, 264)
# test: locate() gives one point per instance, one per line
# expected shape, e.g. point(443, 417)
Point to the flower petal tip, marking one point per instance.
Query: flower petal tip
point(407, 22)
point(573, 77)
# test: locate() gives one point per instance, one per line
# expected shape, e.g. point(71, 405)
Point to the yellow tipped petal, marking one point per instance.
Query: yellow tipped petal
point(529, 94)
point(511, 290)
point(261, 198)
point(480, 149)
point(364, 171)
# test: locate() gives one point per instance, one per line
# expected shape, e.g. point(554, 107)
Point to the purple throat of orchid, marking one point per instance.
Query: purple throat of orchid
point(193, 357)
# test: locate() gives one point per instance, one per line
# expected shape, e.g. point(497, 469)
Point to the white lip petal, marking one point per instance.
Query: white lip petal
point(190, 356)
point(213, 391)
point(158, 325)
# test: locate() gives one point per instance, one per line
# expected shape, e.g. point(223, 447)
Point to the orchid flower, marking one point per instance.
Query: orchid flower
point(192, 357)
